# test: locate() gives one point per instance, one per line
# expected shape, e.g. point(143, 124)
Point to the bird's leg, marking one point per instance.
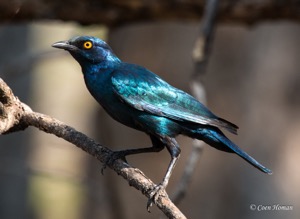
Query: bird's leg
point(174, 150)
point(123, 153)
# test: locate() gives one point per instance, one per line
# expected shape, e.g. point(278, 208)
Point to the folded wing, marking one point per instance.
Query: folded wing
point(145, 91)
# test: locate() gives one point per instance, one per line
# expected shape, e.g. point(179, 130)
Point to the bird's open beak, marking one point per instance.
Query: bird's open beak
point(63, 45)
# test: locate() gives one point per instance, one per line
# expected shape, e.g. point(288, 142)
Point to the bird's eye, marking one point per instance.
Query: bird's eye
point(87, 45)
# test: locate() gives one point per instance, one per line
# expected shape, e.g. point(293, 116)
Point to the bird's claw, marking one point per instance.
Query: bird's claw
point(112, 158)
point(157, 191)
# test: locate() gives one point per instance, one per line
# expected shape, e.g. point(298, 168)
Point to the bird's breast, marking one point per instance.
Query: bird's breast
point(102, 90)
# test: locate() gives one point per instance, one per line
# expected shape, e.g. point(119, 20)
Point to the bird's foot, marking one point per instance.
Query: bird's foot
point(158, 190)
point(115, 155)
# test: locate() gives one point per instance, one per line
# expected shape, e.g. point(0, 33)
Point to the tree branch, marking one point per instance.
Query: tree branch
point(16, 116)
point(117, 12)
point(201, 54)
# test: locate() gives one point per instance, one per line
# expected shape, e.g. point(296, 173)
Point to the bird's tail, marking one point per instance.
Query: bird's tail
point(217, 139)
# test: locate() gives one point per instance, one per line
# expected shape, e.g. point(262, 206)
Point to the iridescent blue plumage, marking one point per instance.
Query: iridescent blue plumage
point(140, 99)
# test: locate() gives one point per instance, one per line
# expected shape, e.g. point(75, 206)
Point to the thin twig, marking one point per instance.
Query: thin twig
point(201, 55)
point(16, 116)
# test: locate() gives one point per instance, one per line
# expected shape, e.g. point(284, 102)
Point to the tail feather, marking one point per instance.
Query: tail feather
point(218, 140)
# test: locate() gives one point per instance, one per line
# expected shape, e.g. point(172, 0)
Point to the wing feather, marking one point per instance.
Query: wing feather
point(145, 91)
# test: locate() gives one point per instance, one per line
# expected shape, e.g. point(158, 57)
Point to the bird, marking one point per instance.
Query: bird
point(140, 99)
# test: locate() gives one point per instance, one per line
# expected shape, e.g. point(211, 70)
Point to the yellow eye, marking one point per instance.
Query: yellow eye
point(87, 45)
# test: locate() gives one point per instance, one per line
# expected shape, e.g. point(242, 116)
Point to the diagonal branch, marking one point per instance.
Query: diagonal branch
point(16, 116)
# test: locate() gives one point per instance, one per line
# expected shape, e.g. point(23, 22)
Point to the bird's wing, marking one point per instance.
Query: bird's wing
point(145, 91)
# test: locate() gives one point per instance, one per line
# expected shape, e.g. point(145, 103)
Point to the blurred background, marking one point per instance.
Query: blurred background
point(252, 79)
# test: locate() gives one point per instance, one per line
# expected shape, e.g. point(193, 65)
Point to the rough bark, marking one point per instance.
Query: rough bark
point(15, 116)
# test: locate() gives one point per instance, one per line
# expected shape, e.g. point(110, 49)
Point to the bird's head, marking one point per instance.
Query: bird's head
point(88, 50)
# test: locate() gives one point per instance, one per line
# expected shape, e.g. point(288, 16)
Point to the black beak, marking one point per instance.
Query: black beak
point(64, 45)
